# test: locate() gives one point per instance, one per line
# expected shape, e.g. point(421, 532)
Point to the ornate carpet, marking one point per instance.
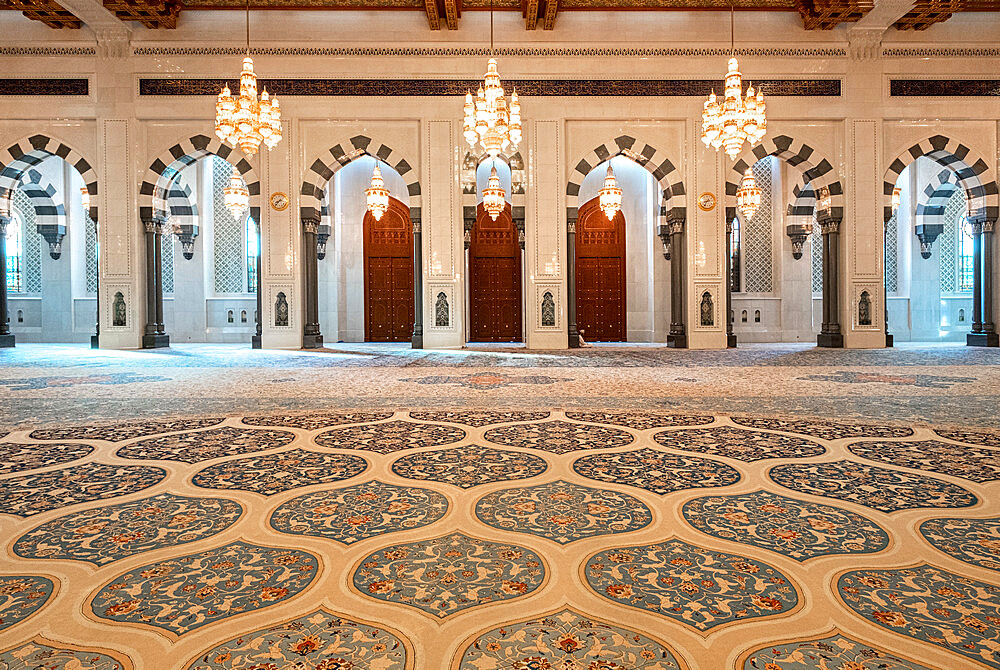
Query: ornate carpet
point(480, 528)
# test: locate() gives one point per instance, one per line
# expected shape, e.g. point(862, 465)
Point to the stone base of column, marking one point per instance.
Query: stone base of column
point(982, 340)
point(888, 339)
point(677, 340)
point(312, 341)
point(95, 341)
point(574, 340)
point(417, 341)
point(830, 340)
point(731, 341)
point(6, 341)
point(155, 341)
point(255, 342)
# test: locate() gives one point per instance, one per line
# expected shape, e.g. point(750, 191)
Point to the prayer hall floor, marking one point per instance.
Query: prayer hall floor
point(776, 507)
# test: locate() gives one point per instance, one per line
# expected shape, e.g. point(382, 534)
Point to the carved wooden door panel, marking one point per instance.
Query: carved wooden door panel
point(388, 249)
point(600, 274)
point(494, 279)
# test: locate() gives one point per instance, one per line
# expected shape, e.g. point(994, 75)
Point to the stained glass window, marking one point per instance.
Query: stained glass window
point(964, 256)
point(15, 252)
point(734, 256)
point(253, 251)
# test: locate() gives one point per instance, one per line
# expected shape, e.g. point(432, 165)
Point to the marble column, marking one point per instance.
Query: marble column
point(312, 338)
point(830, 335)
point(153, 337)
point(983, 328)
point(6, 338)
point(256, 340)
point(730, 335)
point(574, 334)
point(417, 341)
point(678, 334)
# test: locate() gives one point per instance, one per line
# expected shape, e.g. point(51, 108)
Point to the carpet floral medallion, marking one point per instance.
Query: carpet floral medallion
point(16, 457)
point(41, 654)
point(478, 419)
point(469, 466)
point(790, 527)
point(181, 594)
point(205, 445)
point(519, 535)
point(690, 584)
point(826, 430)
point(21, 596)
point(977, 464)
point(836, 652)
point(566, 640)
point(739, 443)
point(446, 575)
point(106, 534)
point(268, 474)
point(385, 438)
point(558, 437)
point(30, 494)
point(358, 512)
point(929, 604)
point(975, 541)
point(656, 471)
point(485, 381)
point(879, 488)
point(321, 640)
point(562, 511)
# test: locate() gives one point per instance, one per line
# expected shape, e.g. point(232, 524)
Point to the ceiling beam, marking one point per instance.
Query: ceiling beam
point(452, 10)
point(433, 18)
point(529, 10)
point(551, 9)
point(48, 12)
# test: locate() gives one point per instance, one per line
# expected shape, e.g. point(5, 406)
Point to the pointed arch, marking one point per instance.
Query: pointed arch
point(972, 173)
point(18, 158)
point(673, 200)
point(42, 195)
point(325, 165)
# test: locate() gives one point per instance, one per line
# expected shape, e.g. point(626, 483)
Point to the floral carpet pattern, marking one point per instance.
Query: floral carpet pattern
point(690, 584)
point(342, 520)
point(469, 466)
point(21, 596)
point(566, 640)
point(446, 575)
point(558, 437)
point(106, 534)
point(358, 512)
point(268, 474)
point(790, 527)
point(563, 511)
point(929, 604)
point(181, 594)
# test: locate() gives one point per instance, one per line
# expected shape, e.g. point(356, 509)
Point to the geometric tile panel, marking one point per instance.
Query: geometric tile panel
point(795, 528)
point(816, 251)
point(230, 255)
point(111, 533)
point(757, 233)
point(978, 464)
point(268, 474)
point(180, 594)
point(446, 575)
point(31, 243)
point(469, 465)
point(891, 254)
point(27, 495)
point(206, 445)
point(692, 585)
point(562, 511)
point(656, 471)
point(21, 596)
point(15, 457)
point(739, 443)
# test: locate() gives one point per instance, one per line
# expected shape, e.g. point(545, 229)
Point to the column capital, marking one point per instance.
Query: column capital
point(155, 224)
point(571, 226)
point(310, 224)
point(828, 226)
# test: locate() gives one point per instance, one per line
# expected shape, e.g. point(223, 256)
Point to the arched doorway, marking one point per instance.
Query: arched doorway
point(600, 274)
point(388, 249)
point(494, 278)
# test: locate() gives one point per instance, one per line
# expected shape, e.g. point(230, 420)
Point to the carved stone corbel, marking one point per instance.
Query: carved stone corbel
point(322, 236)
point(798, 233)
point(663, 231)
point(927, 233)
point(53, 233)
point(186, 234)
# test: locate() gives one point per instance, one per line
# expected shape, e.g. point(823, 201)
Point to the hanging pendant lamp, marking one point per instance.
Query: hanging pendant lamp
point(734, 120)
point(748, 195)
point(236, 196)
point(377, 195)
point(494, 197)
point(610, 195)
point(245, 121)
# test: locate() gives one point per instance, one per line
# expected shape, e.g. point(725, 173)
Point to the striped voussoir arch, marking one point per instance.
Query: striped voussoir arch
point(972, 174)
point(42, 196)
point(179, 199)
point(19, 158)
point(673, 203)
point(936, 194)
point(470, 201)
point(817, 175)
point(154, 191)
point(324, 166)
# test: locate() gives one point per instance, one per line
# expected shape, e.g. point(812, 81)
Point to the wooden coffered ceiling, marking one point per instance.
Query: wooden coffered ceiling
point(816, 14)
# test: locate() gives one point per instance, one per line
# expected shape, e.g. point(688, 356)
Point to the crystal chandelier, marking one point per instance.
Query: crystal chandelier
point(488, 120)
point(236, 196)
point(494, 198)
point(748, 195)
point(245, 121)
point(377, 195)
point(85, 200)
point(896, 197)
point(610, 196)
point(734, 120)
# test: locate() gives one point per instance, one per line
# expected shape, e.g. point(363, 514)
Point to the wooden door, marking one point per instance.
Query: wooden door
point(600, 274)
point(494, 279)
point(388, 249)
